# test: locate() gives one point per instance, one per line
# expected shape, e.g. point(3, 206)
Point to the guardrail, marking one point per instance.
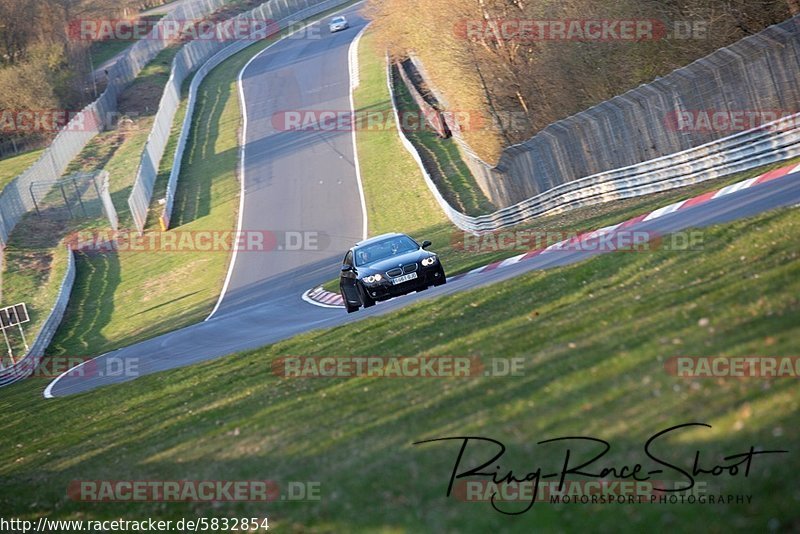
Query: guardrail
point(28, 364)
point(755, 76)
point(14, 198)
point(774, 142)
point(208, 53)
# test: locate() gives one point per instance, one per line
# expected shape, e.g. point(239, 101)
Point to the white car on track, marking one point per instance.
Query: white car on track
point(338, 24)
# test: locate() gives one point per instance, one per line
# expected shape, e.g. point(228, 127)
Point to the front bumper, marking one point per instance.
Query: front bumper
point(385, 289)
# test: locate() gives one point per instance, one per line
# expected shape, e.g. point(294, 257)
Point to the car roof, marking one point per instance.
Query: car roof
point(339, 17)
point(379, 238)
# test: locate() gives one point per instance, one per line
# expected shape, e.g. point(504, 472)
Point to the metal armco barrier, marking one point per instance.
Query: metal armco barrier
point(208, 53)
point(757, 74)
point(28, 364)
point(14, 201)
point(631, 145)
point(776, 141)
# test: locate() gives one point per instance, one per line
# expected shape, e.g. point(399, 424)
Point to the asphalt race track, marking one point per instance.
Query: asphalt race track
point(306, 181)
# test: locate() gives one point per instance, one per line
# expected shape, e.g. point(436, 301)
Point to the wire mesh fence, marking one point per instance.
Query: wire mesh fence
point(758, 76)
point(79, 195)
point(15, 199)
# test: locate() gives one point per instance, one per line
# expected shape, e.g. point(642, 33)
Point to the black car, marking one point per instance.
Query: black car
point(387, 266)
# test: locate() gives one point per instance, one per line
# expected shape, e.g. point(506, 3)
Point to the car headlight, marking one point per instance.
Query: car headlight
point(373, 278)
point(429, 261)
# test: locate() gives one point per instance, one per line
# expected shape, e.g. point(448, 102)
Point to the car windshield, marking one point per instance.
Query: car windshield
point(386, 248)
point(337, 20)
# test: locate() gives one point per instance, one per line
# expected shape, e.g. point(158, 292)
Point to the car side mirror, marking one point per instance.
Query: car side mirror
point(426, 244)
point(346, 268)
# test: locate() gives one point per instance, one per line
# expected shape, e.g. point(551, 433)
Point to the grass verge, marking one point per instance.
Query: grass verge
point(593, 338)
point(122, 298)
point(102, 51)
point(442, 159)
point(13, 166)
point(34, 260)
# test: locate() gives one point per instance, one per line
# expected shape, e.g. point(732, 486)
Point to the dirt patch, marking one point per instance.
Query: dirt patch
point(144, 95)
point(38, 262)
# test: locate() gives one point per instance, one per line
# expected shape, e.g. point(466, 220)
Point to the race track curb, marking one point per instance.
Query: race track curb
point(327, 299)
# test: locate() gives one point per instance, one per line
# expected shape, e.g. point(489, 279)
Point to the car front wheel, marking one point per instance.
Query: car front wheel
point(365, 298)
point(347, 306)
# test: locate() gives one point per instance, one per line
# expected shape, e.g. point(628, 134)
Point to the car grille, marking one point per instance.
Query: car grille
point(404, 269)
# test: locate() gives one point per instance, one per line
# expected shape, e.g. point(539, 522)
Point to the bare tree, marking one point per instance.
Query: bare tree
point(17, 29)
point(544, 80)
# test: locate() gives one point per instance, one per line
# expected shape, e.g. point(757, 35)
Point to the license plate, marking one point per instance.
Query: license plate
point(404, 278)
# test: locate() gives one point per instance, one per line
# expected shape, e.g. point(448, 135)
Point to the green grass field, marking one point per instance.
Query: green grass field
point(593, 338)
point(123, 298)
point(102, 51)
point(12, 167)
point(34, 261)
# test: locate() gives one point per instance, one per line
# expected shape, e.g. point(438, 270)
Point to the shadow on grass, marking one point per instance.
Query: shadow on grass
point(442, 159)
point(91, 303)
point(193, 194)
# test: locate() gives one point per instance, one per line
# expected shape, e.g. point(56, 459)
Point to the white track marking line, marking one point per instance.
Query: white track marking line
point(660, 212)
point(602, 231)
point(243, 105)
point(48, 390)
point(607, 229)
point(735, 187)
point(354, 81)
point(556, 246)
point(510, 261)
